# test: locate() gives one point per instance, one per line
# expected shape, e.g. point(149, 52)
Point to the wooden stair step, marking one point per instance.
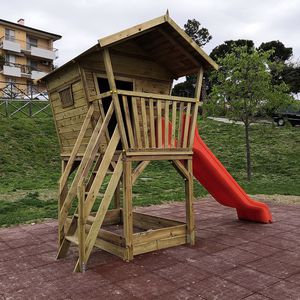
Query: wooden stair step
point(90, 219)
point(108, 172)
point(72, 238)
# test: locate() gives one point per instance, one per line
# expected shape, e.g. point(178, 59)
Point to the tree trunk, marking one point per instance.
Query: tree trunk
point(248, 156)
point(203, 97)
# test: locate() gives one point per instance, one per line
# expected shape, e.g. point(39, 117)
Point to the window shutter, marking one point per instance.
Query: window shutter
point(66, 97)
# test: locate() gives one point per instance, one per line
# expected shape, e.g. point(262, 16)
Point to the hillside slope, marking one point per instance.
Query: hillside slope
point(29, 154)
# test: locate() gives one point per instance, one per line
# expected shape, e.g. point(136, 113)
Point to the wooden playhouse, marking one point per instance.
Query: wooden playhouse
point(110, 106)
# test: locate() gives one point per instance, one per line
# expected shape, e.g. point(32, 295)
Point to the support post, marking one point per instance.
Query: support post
point(63, 191)
point(81, 227)
point(190, 220)
point(127, 208)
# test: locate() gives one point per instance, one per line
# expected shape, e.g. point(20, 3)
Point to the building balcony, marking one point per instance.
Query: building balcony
point(18, 70)
point(10, 45)
point(20, 46)
point(9, 69)
point(37, 74)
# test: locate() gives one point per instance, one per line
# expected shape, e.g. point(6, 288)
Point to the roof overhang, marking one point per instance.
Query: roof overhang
point(164, 41)
point(33, 31)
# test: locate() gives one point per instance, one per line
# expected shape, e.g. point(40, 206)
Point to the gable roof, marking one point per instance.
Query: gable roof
point(167, 29)
point(163, 40)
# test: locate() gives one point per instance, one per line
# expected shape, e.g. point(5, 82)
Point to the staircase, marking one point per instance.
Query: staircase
point(83, 228)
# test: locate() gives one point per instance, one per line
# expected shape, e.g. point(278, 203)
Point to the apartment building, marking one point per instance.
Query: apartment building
point(26, 54)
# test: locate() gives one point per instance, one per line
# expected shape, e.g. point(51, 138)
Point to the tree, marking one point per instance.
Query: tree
point(228, 46)
point(201, 36)
point(280, 52)
point(291, 76)
point(290, 72)
point(244, 85)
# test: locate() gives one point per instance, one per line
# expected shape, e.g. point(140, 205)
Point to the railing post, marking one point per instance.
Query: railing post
point(30, 103)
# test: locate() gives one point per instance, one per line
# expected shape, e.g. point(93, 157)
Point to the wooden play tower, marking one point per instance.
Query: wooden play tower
point(114, 114)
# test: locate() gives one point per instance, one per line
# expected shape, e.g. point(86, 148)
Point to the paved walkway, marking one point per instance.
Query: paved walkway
point(228, 121)
point(231, 260)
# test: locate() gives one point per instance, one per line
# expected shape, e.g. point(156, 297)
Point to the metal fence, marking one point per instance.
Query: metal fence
point(23, 99)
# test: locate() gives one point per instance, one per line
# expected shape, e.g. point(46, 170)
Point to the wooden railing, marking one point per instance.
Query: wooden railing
point(156, 121)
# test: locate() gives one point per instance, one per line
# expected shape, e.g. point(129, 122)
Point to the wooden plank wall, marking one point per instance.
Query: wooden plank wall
point(70, 119)
point(128, 60)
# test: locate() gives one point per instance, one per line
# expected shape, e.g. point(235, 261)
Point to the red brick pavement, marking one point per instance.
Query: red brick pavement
point(231, 260)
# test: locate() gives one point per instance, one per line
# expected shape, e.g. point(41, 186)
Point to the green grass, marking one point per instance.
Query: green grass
point(29, 160)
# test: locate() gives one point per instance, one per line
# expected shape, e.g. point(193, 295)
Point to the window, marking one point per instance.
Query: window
point(10, 60)
point(31, 42)
point(33, 65)
point(9, 34)
point(66, 97)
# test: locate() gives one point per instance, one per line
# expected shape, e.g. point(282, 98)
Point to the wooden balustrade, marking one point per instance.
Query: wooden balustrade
point(156, 121)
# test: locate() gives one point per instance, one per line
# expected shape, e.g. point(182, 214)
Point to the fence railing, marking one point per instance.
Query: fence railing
point(25, 69)
point(155, 121)
point(27, 44)
point(23, 99)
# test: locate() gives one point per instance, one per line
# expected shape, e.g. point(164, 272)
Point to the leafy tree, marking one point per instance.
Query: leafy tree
point(244, 85)
point(228, 46)
point(290, 72)
point(280, 52)
point(291, 76)
point(201, 36)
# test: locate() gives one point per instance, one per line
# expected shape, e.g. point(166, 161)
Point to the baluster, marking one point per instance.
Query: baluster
point(136, 123)
point(174, 112)
point(152, 124)
point(180, 125)
point(128, 121)
point(166, 142)
point(159, 125)
point(145, 123)
point(186, 125)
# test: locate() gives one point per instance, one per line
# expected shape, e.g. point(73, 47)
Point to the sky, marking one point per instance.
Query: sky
point(81, 22)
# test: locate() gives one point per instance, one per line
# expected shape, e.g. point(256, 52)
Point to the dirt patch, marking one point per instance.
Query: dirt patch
point(282, 199)
point(43, 194)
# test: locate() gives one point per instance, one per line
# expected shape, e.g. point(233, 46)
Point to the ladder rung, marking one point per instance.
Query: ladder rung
point(72, 238)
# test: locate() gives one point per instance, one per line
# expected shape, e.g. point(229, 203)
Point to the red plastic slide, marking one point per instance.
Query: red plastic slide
point(209, 171)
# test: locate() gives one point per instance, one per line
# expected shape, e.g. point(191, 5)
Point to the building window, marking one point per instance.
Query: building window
point(33, 65)
point(9, 34)
point(31, 42)
point(10, 60)
point(66, 97)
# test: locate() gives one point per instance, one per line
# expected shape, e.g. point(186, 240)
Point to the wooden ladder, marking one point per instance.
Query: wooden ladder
point(83, 229)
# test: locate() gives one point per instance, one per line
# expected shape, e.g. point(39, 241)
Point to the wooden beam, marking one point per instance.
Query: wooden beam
point(112, 85)
point(193, 44)
point(138, 170)
point(148, 222)
point(130, 32)
point(127, 208)
point(158, 234)
point(155, 96)
point(103, 208)
point(179, 167)
point(194, 116)
point(81, 227)
point(190, 219)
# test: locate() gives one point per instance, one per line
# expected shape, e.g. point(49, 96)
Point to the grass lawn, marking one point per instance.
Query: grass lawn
point(29, 162)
